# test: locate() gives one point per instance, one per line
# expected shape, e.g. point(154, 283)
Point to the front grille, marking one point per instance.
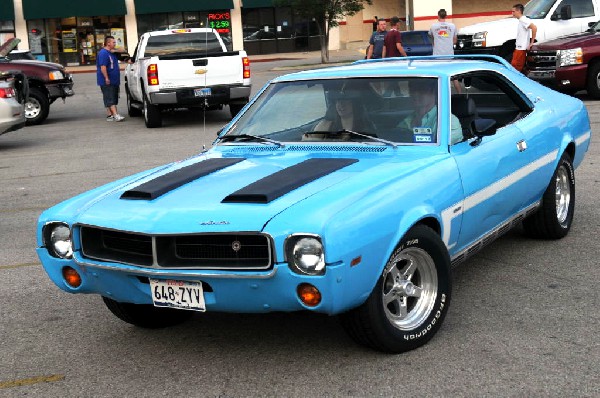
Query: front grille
point(464, 42)
point(243, 251)
point(541, 60)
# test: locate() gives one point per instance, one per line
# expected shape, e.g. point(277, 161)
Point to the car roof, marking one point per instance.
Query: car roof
point(433, 66)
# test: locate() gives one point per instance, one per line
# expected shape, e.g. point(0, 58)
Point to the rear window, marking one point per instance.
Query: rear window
point(183, 43)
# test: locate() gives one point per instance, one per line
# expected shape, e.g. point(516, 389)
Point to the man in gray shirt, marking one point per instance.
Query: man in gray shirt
point(443, 35)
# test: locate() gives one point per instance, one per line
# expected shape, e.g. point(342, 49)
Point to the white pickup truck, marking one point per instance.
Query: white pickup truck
point(553, 18)
point(185, 68)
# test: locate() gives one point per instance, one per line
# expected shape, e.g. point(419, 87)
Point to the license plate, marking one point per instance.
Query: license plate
point(202, 92)
point(177, 294)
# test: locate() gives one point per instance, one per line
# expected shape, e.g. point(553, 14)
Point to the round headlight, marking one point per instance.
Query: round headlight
point(59, 241)
point(306, 256)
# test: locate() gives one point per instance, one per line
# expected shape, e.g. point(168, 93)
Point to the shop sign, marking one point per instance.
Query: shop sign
point(220, 21)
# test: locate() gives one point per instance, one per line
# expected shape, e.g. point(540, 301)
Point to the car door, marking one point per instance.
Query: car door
point(582, 13)
point(496, 170)
point(132, 72)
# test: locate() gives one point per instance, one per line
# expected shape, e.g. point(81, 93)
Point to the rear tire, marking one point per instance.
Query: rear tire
point(554, 218)
point(235, 108)
point(37, 107)
point(152, 116)
point(145, 315)
point(411, 298)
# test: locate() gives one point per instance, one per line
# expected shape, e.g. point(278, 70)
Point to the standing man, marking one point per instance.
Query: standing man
point(109, 78)
point(524, 41)
point(376, 43)
point(393, 41)
point(443, 35)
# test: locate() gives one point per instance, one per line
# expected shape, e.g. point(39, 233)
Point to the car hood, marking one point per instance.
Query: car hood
point(38, 64)
point(584, 39)
point(242, 193)
point(500, 25)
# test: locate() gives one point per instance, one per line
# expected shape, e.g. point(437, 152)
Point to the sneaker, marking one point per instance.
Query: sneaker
point(118, 118)
point(110, 118)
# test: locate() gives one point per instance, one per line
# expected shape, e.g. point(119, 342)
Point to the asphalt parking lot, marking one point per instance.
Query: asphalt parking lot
point(524, 319)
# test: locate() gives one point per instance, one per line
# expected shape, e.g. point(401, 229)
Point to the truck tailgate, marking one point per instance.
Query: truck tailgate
point(199, 72)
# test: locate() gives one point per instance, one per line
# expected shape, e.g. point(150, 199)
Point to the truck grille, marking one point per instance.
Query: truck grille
point(242, 251)
point(541, 64)
point(464, 42)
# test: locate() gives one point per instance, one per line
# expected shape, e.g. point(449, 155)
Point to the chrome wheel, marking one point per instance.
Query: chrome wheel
point(410, 286)
point(32, 108)
point(563, 194)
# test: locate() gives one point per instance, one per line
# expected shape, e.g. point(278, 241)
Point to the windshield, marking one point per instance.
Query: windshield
point(538, 9)
point(375, 111)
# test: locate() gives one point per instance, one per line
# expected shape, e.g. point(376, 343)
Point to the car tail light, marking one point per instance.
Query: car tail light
point(7, 92)
point(246, 64)
point(153, 75)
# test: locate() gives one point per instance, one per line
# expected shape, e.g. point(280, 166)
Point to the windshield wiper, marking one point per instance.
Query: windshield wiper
point(250, 137)
point(353, 133)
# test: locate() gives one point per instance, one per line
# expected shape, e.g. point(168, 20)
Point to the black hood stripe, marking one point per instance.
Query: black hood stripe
point(159, 186)
point(278, 184)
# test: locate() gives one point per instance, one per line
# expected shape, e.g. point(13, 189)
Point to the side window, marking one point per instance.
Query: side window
point(411, 39)
point(579, 8)
point(486, 96)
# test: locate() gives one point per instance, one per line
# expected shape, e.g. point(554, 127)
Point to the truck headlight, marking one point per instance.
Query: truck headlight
point(305, 254)
point(479, 39)
point(573, 56)
point(57, 239)
point(56, 75)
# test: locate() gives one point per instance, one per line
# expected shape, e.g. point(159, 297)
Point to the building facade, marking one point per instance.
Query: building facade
point(71, 33)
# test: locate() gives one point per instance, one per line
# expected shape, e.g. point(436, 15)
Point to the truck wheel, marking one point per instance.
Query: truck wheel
point(236, 107)
point(152, 116)
point(506, 51)
point(593, 80)
point(131, 111)
point(145, 315)
point(554, 218)
point(37, 106)
point(410, 299)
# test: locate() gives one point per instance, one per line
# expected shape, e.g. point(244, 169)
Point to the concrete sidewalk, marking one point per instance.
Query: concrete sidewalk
point(279, 60)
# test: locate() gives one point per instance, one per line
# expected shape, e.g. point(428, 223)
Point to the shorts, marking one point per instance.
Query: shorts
point(518, 59)
point(110, 95)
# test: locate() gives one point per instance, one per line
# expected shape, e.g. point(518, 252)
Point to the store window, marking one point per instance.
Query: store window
point(7, 31)
point(218, 20)
point(76, 40)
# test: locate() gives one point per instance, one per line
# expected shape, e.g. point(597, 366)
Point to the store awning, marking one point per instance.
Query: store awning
point(257, 3)
point(38, 9)
point(158, 6)
point(7, 11)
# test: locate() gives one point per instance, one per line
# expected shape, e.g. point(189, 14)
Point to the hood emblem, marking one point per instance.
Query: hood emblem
point(214, 223)
point(236, 246)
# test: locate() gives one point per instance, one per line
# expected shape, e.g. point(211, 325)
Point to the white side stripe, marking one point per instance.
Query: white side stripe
point(484, 194)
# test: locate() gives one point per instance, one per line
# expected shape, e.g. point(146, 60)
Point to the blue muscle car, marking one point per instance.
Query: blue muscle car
point(349, 191)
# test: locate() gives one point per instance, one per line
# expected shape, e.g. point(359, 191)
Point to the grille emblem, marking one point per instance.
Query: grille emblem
point(236, 246)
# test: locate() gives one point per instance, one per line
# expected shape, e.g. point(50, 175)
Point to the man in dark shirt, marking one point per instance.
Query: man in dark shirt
point(376, 42)
point(393, 42)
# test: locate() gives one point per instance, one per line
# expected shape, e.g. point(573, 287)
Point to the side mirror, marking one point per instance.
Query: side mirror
point(467, 82)
point(124, 57)
point(554, 17)
point(484, 127)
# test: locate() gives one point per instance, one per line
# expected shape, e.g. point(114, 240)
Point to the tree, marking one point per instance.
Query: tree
point(326, 14)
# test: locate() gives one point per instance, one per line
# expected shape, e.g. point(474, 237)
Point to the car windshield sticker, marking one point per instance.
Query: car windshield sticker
point(422, 134)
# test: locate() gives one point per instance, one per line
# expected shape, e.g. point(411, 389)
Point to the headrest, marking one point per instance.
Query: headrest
point(463, 106)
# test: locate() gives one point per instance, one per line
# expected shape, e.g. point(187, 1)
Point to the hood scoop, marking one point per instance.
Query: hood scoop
point(165, 183)
point(278, 184)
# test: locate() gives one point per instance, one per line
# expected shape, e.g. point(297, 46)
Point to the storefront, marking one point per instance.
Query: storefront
point(268, 29)
point(181, 14)
point(7, 20)
point(71, 33)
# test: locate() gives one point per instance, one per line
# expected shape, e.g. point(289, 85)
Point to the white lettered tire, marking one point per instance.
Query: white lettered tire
point(411, 298)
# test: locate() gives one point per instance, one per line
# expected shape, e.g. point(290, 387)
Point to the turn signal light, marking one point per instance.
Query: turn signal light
point(152, 73)
point(309, 295)
point(72, 277)
point(7, 92)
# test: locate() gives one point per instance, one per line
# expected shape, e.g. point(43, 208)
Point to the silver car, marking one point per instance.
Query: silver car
point(13, 92)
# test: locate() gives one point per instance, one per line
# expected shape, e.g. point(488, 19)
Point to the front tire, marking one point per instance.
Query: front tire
point(554, 218)
point(593, 80)
point(37, 107)
point(145, 315)
point(411, 298)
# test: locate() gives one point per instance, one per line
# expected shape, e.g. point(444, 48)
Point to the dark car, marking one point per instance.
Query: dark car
point(47, 82)
point(417, 42)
